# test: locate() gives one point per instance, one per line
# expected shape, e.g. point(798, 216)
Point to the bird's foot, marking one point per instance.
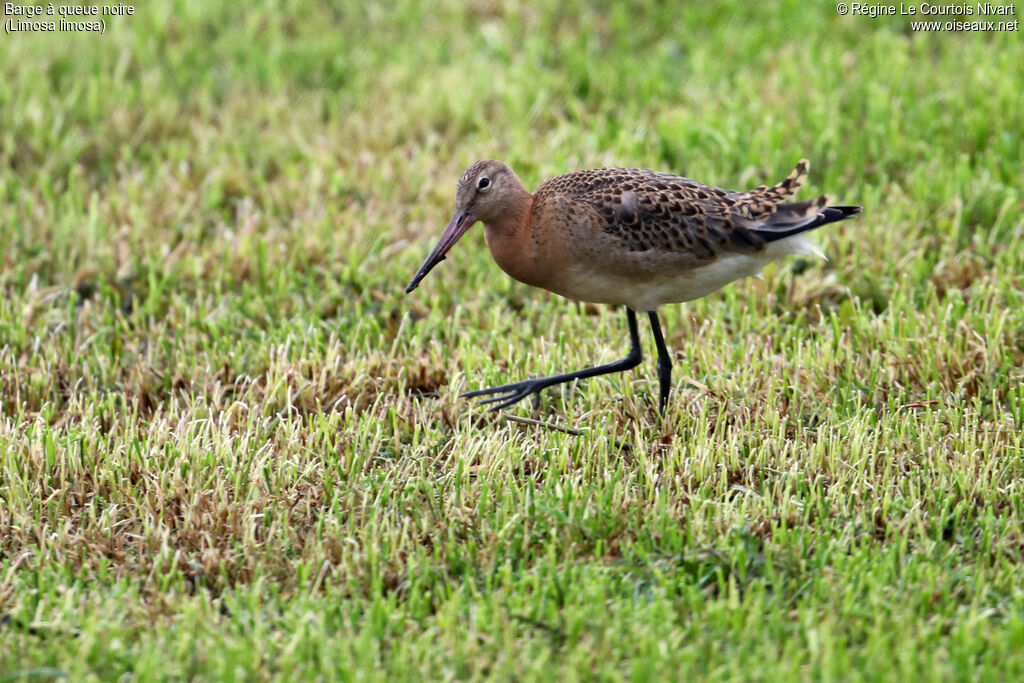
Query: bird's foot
point(509, 394)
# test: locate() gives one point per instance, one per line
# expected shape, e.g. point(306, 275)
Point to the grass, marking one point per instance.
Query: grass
point(232, 448)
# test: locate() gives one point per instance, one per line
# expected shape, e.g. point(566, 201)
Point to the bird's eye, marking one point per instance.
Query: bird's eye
point(484, 183)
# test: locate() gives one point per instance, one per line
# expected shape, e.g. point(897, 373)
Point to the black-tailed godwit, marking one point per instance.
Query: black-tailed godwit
point(628, 237)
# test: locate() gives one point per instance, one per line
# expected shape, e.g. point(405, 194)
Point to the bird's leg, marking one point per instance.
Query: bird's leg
point(664, 363)
point(517, 391)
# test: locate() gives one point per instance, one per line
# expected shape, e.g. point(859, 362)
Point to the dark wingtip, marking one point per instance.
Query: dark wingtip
point(412, 286)
point(829, 214)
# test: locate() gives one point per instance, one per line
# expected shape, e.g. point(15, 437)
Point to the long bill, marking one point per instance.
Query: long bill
point(457, 227)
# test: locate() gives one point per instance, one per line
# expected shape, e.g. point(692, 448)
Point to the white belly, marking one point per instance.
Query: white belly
point(675, 286)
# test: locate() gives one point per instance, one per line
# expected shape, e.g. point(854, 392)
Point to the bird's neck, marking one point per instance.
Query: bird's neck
point(508, 236)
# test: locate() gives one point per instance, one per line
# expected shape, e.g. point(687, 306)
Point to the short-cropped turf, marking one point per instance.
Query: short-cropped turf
point(232, 447)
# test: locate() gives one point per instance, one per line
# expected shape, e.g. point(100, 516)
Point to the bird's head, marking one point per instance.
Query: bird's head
point(486, 191)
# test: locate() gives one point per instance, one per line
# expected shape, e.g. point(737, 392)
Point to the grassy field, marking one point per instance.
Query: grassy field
point(232, 448)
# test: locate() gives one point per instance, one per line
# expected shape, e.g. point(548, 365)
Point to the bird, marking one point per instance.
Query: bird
point(628, 237)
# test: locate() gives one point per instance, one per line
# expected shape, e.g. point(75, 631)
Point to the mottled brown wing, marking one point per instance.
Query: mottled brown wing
point(648, 210)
